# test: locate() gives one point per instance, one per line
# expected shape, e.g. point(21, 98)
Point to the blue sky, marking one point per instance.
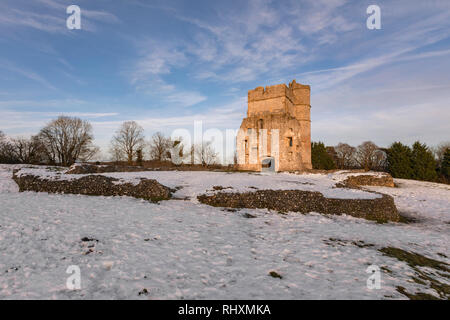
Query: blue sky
point(168, 63)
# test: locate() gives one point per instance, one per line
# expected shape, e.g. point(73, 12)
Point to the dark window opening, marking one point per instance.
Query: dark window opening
point(290, 142)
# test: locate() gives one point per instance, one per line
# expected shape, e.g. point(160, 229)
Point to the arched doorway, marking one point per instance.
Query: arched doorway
point(268, 165)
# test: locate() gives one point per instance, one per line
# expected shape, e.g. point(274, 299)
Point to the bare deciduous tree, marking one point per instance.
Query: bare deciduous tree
point(440, 150)
point(89, 153)
point(379, 160)
point(205, 154)
point(160, 147)
point(7, 154)
point(29, 150)
point(128, 139)
point(165, 149)
point(345, 154)
point(67, 139)
point(369, 156)
point(116, 154)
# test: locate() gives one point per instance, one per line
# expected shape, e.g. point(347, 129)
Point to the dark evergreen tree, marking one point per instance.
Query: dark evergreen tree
point(445, 165)
point(320, 157)
point(399, 161)
point(423, 162)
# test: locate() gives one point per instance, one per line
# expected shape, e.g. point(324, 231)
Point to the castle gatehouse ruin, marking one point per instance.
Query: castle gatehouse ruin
point(276, 135)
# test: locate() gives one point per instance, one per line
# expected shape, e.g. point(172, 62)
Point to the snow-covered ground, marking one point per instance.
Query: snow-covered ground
point(421, 200)
point(183, 249)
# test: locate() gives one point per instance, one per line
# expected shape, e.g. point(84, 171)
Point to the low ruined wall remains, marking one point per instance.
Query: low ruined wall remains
point(95, 185)
point(385, 180)
point(380, 209)
point(89, 169)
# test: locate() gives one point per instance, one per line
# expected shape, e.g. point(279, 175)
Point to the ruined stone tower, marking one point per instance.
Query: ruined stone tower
point(276, 135)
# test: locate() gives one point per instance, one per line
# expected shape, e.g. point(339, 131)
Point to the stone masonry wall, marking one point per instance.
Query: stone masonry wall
point(283, 108)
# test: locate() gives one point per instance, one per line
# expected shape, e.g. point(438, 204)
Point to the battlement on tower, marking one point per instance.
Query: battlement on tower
point(297, 93)
point(279, 98)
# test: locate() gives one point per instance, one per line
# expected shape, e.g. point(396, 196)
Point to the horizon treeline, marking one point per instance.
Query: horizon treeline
point(66, 140)
point(418, 162)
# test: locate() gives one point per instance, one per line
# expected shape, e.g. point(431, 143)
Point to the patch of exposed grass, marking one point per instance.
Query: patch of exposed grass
point(275, 274)
point(415, 261)
point(416, 296)
point(386, 269)
point(358, 243)
point(406, 219)
point(218, 188)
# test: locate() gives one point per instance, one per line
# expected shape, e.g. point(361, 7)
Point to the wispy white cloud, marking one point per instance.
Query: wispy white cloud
point(259, 40)
point(186, 98)
point(392, 104)
point(156, 60)
point(227, 116)
point(322, 18)
point(14, 121)
point(50, 16)
point(327, 78)
point(90, 14)
point(10, 17)
point(423, 122)
point(7, 65)
point(241, 45)
point(235, 45)
point(54, 103)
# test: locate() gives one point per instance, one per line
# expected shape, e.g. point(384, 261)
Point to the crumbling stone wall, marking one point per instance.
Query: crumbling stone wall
point(380, 209)
point(95, 185)
point(90, 168)
point(384, 180)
